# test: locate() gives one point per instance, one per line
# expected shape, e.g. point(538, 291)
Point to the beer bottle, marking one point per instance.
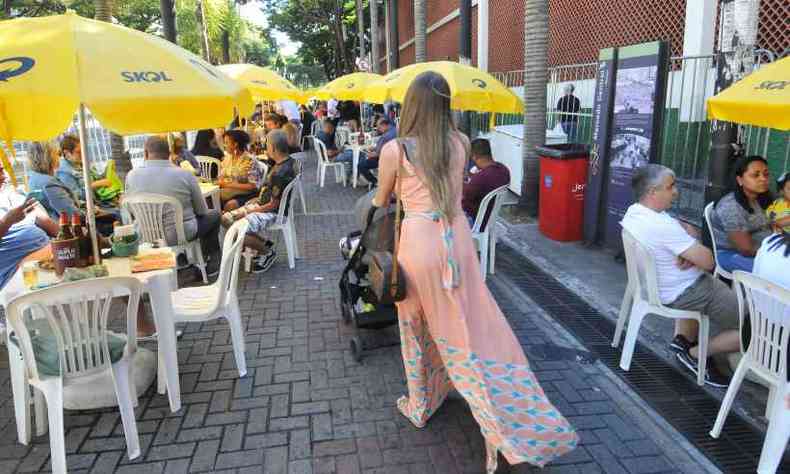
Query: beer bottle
point(84, 241)
point(65, 232)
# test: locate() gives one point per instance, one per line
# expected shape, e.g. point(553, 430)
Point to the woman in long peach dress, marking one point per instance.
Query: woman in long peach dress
point(453, 334)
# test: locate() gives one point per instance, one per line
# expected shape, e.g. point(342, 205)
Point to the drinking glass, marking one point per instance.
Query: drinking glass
point(30, 274)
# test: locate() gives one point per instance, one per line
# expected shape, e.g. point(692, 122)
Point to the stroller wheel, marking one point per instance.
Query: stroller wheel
point(356, 349)
point(345, 311)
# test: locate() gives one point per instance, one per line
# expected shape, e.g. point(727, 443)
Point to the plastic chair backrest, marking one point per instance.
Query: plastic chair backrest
point(709, 208)
point(341, 136)
point(768, 307)
point(283, 212)
point(315, 127)
point(147, 210)
point(207, 163)
point(641, 269)
point(489, 209)
point(77, 314)
point(321, 148)
point(228, 278)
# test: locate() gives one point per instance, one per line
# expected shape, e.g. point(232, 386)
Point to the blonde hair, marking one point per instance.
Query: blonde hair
point(293, 134)
point(42, 156)
point(426, 117)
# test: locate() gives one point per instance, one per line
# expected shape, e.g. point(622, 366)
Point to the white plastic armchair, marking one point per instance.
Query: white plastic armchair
point(218, 300)
point(207, 164)
point(709, 209)
point(484, 231)
point(324, 163)
point(300, 158)
point(768, 307)
point(147, 211)
point(284, 223)
point(642, 277)
point(74, 317)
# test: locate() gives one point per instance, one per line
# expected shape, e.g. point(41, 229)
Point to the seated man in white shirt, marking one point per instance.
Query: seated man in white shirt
point(682, 263)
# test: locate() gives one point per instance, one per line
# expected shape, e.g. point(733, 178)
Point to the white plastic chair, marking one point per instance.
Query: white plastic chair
point(315, 127)
point(147, 211)
point(285, 223)
point(768, 306)
point(718, 271)
point(219, 300)
point(641, 267)
point(324, 163)
point(208, 163)
point(77, 315)
point(485, 237)
point(301, 157)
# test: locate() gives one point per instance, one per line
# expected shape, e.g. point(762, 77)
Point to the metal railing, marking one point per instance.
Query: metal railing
point(685, 137)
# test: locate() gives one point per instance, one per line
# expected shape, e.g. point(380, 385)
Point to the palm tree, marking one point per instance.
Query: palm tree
point(123, 163)
point(200, 16)
point(168, 12)
point(420, 33)
point(536, 46)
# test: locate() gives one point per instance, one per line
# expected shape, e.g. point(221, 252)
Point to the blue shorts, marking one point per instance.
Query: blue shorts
point(21, 240)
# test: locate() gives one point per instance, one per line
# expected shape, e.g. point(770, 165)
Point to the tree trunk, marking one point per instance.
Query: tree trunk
point(225, 47)
point(201, 24)
point(344, 64)
point(123, 162)
point(168, 12)
point(361, 30)
point(536, 42)
point(420, 34)
point(374, 36)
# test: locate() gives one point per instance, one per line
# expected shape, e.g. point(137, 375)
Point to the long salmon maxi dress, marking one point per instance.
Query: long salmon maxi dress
point(453, 333)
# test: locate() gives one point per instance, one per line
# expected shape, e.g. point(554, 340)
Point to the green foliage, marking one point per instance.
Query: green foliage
point(248, 43)
point(317, 25)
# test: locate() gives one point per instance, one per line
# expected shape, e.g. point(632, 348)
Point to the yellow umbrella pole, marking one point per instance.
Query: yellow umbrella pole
point(88, 190)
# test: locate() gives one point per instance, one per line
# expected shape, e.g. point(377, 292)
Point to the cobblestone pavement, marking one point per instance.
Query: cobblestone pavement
point(307, 406)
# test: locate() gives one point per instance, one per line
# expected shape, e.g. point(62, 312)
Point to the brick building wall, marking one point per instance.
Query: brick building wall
point(577, 29)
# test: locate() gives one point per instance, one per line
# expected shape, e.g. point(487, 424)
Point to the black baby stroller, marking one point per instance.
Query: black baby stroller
point(358, 303)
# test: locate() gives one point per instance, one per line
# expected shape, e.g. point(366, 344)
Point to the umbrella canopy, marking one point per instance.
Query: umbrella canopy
point(263, 83)
point(761, 98)
point(131, 81)
point(470, 88)
point(348, 87)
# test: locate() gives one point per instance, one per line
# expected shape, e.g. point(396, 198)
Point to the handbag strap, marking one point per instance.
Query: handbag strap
point(398, 187)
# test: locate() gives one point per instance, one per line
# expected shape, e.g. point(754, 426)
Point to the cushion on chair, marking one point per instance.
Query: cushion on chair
point(45, 347)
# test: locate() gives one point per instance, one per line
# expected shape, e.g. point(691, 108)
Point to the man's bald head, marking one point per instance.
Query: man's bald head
point(156, 148)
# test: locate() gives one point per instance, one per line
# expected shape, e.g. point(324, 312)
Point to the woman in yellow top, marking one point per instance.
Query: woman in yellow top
point(239, 174)
point(779, 211)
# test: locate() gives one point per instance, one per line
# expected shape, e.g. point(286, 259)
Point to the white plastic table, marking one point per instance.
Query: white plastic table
point(158, 284)
point(212, 191)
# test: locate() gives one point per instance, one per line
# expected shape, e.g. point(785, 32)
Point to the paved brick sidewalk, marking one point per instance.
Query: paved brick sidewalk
point(306, 406)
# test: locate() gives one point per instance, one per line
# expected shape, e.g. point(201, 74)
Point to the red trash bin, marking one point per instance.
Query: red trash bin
point(563, 176)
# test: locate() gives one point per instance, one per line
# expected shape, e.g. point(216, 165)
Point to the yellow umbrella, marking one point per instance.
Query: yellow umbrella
point(131, 81)
point(348, 87)
point(470, 88)
point(308, 94)
point(761, 98)
point(263, 83)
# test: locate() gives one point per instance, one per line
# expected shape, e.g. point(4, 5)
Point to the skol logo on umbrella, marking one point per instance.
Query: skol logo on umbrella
point(12, 67)
point(145, 76)
point(350, 85)
point(479, 83)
